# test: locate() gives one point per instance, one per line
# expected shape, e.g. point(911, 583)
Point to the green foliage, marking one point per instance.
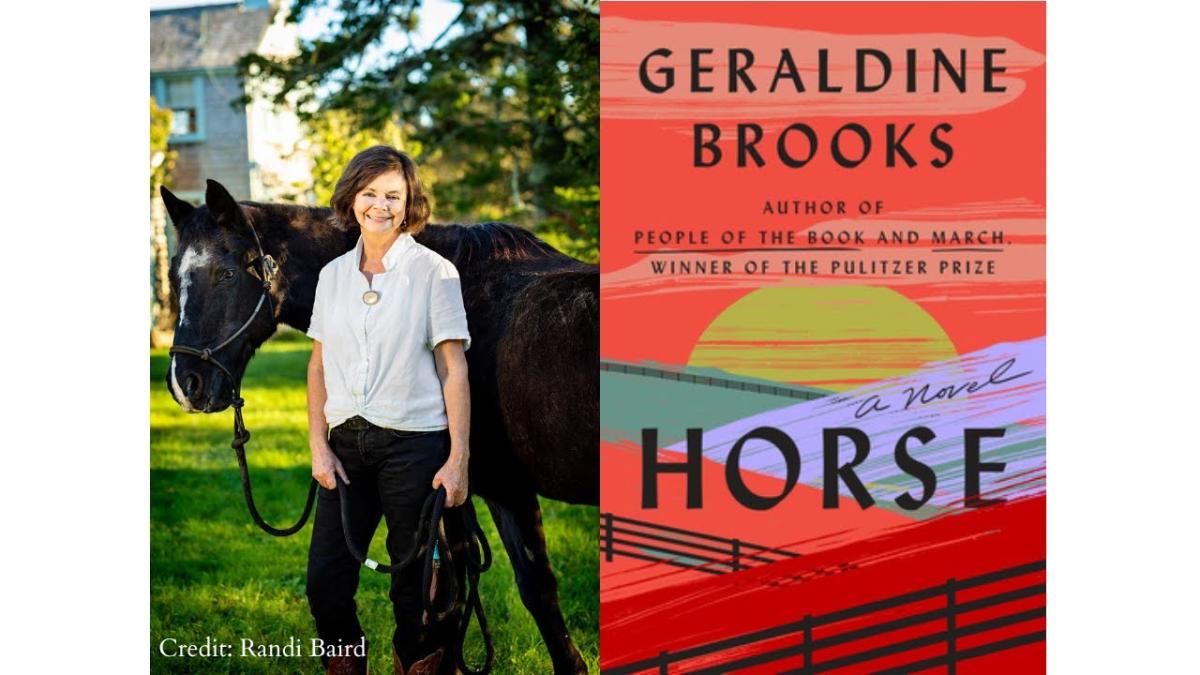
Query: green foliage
point(574, 232)
point(503, 107)
point(336, 138)
point(160, 132)
point(213, 573)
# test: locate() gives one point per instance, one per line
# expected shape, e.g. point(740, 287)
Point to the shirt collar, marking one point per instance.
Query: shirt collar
point(394, 253)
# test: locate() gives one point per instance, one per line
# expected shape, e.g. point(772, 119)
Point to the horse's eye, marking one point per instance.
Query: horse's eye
point(226, 274)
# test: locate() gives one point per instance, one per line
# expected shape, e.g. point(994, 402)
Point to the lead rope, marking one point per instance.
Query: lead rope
point(479, 560)
point(426, 540)
point(241, 435)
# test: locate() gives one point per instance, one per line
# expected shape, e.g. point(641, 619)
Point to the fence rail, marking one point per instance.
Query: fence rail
point(807, 647)
point(726, 383)
point(630, 538)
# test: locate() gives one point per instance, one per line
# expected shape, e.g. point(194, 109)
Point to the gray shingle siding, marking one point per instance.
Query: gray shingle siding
point(224, 155)
point(202, 45)
point(207, 42)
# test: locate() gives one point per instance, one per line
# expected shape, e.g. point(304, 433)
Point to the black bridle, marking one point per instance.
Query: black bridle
point(478, 553)
point(241, 435)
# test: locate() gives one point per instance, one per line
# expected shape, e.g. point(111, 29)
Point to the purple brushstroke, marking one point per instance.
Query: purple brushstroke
point(1011, 396)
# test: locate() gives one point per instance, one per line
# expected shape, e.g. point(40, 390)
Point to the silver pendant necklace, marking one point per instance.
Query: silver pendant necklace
point(371, 297)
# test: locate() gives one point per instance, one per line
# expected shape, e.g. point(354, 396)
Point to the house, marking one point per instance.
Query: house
point(254, 150)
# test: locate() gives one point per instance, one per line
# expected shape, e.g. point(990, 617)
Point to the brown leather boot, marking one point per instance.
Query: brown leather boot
point(426, 666)
point(346, 665)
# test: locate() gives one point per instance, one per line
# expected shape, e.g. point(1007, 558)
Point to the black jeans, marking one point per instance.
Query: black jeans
point(390, 475)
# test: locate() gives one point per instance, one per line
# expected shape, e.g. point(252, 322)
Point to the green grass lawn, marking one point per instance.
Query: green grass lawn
point(214, 574)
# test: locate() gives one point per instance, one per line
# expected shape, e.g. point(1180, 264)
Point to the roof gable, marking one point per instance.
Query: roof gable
point(213, 36)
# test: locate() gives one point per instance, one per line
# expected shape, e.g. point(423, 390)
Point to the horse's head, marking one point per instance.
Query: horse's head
point(217, 276)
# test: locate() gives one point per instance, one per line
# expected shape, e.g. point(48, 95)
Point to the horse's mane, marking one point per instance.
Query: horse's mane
point(468, 245)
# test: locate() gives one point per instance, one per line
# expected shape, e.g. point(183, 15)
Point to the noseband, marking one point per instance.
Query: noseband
point(241, 435)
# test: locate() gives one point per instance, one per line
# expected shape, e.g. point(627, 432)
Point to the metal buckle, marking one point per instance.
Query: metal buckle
point(270, 268)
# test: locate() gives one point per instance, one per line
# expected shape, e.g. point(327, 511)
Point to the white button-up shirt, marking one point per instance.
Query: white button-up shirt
point(378, 359)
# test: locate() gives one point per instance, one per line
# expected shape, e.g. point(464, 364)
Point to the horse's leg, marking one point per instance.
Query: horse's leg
point(519, 520)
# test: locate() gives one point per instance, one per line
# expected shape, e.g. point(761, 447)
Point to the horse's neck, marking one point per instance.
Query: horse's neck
point(308, 248)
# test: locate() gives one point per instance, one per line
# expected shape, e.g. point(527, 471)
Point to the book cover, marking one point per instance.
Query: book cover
point(823, 339)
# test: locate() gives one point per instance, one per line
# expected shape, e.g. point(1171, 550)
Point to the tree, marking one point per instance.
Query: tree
point(336, 137)
point(503, 105)
point(162, 161)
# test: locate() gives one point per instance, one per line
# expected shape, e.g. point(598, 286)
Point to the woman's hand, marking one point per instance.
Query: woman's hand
point(325, 463)
point(453, 475)
point(451, 365)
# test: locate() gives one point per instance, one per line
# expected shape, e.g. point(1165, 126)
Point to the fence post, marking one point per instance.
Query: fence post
point(737, 554)
point(608, 537)
point(951, 627)
point(808, 651)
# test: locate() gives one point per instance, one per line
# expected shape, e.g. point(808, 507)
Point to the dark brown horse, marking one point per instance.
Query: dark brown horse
point(533, 314)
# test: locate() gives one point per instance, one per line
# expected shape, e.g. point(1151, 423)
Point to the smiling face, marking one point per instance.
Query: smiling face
point(379, 191)
point(380, 206)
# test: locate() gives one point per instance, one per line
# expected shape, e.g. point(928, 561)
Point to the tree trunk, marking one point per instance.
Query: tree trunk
point(163, 308)
point(547, 145)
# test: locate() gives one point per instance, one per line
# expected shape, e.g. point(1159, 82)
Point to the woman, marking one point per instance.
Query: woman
point(388, 404)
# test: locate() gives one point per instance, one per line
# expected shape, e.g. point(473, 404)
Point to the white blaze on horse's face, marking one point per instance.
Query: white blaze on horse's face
point(190, 263)
point(379, 207)
point(177, 391)
point(192, 260)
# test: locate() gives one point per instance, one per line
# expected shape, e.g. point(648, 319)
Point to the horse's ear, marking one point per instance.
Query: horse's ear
point(221, 204)
point(176, 207)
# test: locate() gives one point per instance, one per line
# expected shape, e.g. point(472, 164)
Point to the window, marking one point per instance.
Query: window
point(185, 97)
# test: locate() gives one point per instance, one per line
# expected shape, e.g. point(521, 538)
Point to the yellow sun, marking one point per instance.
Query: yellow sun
point(834, 337)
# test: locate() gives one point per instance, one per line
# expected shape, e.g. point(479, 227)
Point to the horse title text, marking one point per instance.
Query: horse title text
point(833, 472)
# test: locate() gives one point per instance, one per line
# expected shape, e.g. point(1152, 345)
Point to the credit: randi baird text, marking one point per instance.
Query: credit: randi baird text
point(210, 648)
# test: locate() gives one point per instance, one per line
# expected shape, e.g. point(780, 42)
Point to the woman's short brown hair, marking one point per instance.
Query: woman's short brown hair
point(364, 168)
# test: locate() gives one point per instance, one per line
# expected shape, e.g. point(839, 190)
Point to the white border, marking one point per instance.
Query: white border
point(1123, 533)
point(1122, 338)
point(76, 328)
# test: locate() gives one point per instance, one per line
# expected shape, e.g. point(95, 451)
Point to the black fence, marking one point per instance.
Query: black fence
point(807, 649)
point(675, 546)
point(754, 387)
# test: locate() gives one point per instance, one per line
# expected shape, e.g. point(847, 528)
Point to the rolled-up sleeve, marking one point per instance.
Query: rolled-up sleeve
point(316, 326)
point(447, 316)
